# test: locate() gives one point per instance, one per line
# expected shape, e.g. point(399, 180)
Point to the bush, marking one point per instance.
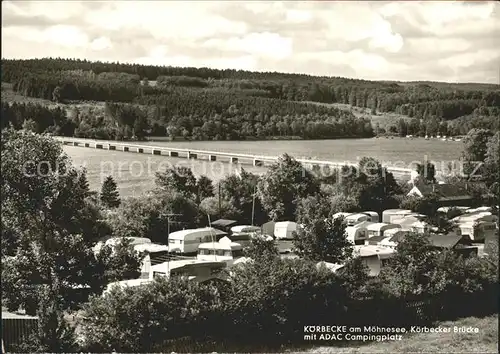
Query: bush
point(143, 319)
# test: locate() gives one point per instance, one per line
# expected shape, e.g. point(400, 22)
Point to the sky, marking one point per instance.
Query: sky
point(406, 40)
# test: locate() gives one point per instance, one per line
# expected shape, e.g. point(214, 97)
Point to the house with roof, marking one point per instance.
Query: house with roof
point(456, 194)
point(460, 244)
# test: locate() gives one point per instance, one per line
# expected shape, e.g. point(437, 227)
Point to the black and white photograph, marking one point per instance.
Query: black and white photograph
point(317, 177)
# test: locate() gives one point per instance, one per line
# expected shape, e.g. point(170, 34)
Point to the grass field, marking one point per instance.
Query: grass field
point(9, 95)
point(486, 341)
point(385, 120)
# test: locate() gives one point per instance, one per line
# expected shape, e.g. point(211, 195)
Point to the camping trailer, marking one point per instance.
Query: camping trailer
point(356, 235)
point(244, 229)
point(268, 228)
point(374, 217)
point(374, 257)
point(223, 251)
point(478, 231)
point(478, 216)
point(379, 228)
point(194, 270)
point(387, 214)
point(401, 215)
point(285, 230)
point(355, 219)
point(187, 241)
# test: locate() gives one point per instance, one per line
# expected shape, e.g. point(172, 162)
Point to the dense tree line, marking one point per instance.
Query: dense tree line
point(190, 116)
point(84, 80)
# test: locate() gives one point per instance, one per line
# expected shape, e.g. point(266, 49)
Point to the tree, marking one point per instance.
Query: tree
point(269, 296)
point(140, 127)
point(409, 269)
point(53, 333)
point(475, 144)
point(354, 277)
point(178, 179)
point(205, 188)
point(283, 185)
point(342, 203)
point(402, 127)
point(148, 216)
point(211, 206)
point(323, 240)
point(30, 125)
point(57, 94)
point(241, 192)
point(427, 172)
point(426, 205)
point(492, 165)
point(313, 208)
point(55, 225)
point(261, 250)
point(165, 310)
point(110, 196)
point(121, 262)
point(373, 186)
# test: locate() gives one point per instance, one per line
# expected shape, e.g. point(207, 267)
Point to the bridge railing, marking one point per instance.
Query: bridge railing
point(221, 153)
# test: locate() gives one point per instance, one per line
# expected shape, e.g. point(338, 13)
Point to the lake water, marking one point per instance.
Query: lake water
point(134, 172)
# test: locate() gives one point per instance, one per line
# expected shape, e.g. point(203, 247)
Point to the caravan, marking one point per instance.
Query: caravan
point(223, 251)
point(187, 241)
point(285, 230)
point(478, 231)
point(374, 217)
point(357, 234)
point(244, 229)
point(355, 219)
point(379, 228)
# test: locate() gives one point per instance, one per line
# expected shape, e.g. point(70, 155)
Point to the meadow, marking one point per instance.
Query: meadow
point(486, 341)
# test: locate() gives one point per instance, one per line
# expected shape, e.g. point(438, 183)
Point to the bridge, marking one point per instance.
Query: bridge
point(229, 157)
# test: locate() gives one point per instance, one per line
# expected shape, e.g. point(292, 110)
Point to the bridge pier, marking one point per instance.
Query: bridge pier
point(233, 160)
point(257, 163)
point(212, 158)
point(156, 152)
point(173, 154)
point(191, 155)
point(125, 148)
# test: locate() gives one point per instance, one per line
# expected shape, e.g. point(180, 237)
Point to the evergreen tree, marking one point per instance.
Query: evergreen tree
point(109, 193)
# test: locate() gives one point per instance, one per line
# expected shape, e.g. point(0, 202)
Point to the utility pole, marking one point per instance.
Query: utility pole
point(168, 234)
point(212, 235)
point(168, 222)
point(220, 207)
point(253, 202)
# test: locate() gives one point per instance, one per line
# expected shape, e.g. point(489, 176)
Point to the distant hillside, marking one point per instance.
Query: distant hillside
point(236, 104)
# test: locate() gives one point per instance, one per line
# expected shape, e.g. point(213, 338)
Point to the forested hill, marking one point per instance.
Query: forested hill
point(203, 103)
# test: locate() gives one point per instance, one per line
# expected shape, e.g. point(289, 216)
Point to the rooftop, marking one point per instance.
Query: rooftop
point(372, 250)
point(455, 191)
point(450, 240)
point(224, 222)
